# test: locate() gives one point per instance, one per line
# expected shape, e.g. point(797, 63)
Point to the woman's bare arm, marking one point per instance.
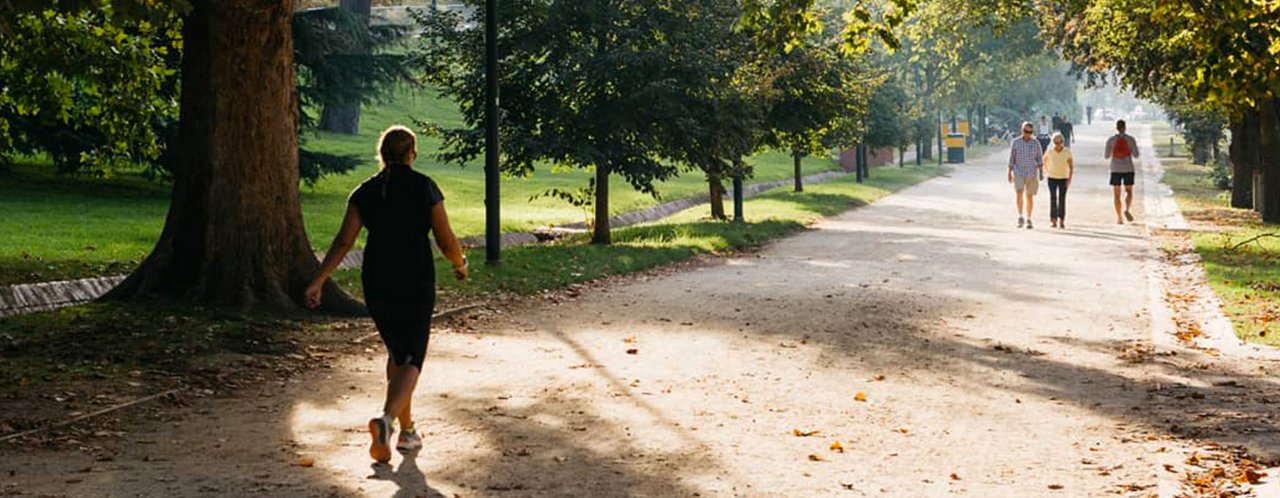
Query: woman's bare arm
point(342, 244)
point(447, 241)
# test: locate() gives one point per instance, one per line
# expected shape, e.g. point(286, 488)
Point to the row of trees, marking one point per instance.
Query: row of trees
point(645, 90)
point(97, 92)
point(1202, 60)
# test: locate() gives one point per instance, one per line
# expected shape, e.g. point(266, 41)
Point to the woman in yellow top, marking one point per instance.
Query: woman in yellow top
point(1059, 167)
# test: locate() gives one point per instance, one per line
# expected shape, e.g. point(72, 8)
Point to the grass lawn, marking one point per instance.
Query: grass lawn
point(1247, 279)
point(58, 227)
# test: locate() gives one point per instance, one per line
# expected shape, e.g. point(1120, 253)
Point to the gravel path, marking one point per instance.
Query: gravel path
point(946, 351)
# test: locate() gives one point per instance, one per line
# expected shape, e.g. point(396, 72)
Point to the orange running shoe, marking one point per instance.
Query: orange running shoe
point(380, 449)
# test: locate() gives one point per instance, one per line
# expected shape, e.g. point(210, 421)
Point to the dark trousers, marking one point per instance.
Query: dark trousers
point(1058, 198)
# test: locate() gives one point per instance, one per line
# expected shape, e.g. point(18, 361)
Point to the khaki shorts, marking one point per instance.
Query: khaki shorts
point(1031, 184)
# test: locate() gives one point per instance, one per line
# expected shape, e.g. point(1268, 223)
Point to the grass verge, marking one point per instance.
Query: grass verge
point(1246, 278)
point(59, 227)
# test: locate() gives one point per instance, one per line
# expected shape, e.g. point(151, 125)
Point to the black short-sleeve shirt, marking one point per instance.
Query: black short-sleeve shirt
point(395, 206)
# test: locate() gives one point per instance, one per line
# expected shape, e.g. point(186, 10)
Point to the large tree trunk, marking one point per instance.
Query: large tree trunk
point(716, 192)
point(234, 235)
point(600, 229)
point(1200, 151)
point(344, 117)
point(1244, 158)
point(796, 157)
point(1269, 141)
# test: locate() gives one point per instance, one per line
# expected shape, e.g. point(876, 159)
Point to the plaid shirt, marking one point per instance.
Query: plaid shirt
point(1025, 157)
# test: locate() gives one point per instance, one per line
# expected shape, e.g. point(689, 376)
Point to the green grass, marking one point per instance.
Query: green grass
point(60, 227)
point(1245, 278)
point(777, 213)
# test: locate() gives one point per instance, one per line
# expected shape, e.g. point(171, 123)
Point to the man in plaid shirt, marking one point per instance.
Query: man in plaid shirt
point(1026, 170)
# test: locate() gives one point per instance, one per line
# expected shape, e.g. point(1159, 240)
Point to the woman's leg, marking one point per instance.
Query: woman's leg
point(1061, 193)
point(405, 415)
point(1053, 201)
point(400, 387)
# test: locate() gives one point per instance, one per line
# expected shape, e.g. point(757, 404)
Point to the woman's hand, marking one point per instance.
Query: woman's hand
point(460, 272)
point(314, 292)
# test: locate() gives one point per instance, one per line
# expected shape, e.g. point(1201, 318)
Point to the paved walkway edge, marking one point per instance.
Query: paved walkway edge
point(1163, 213)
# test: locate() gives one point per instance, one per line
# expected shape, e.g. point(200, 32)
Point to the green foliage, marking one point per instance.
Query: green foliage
point(90, 93)
point(340, 59)
point(890, 117)
point(1220, 52)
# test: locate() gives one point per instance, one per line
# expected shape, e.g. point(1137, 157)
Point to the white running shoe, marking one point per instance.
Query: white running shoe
point(409, 441)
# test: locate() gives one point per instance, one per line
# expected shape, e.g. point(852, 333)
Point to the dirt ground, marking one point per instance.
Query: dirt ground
point(922, 346)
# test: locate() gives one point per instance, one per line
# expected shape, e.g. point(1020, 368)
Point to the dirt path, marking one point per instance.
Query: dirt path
point(994, 361)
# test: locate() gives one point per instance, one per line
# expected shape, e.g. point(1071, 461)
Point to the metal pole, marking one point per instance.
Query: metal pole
point(857, 163)
point(737, 199)
point(492, 199)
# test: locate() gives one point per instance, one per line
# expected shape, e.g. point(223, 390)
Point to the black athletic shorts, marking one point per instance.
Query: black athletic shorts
point(405, 326)
point(1118, 178)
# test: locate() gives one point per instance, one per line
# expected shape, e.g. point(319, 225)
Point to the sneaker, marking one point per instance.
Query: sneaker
point(409, 441)
point(380, 448)
point(1021, 221)
point(1029, 225)
point(1128, 216)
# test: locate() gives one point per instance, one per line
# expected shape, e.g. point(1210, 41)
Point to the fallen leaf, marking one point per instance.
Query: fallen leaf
point(837, 447)
point(955, 476)
point(861, 396)
point(306, 462)
point(903, 430)
point(630, 339)
point(800, 433)
point(816, 458)
point(879, 378)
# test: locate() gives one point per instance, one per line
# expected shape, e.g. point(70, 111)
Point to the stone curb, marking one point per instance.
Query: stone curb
point(44, 296)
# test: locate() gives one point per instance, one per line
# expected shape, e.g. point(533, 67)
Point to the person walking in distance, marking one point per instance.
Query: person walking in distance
point(1026, 169)
point(1059, 167)
point(1122, 149)
point(1043, 132)
point(400, 207)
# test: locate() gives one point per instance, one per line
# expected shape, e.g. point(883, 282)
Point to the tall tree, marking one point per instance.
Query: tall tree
point(343, 114)
point(601, 85)
point(1220, 53)
point(234, 234)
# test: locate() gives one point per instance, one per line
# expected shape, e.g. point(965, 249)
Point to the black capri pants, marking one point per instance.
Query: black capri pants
point(405, 327)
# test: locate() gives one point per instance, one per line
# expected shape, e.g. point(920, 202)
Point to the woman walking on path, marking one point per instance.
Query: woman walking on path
point(1059, 166)
point(400, 207)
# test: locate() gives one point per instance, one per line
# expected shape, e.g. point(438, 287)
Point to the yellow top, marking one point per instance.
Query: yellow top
point(1055, 163)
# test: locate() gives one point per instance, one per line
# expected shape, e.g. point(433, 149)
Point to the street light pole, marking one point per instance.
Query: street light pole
point(492, 200)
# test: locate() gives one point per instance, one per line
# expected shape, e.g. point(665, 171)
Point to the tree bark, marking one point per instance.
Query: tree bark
point(716, 192)
point(1244, 157)
point(600, 230)
point(344, 117)
point(1269, 141)
point(796, 157)
point(234, 235)
point(1200, 151)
